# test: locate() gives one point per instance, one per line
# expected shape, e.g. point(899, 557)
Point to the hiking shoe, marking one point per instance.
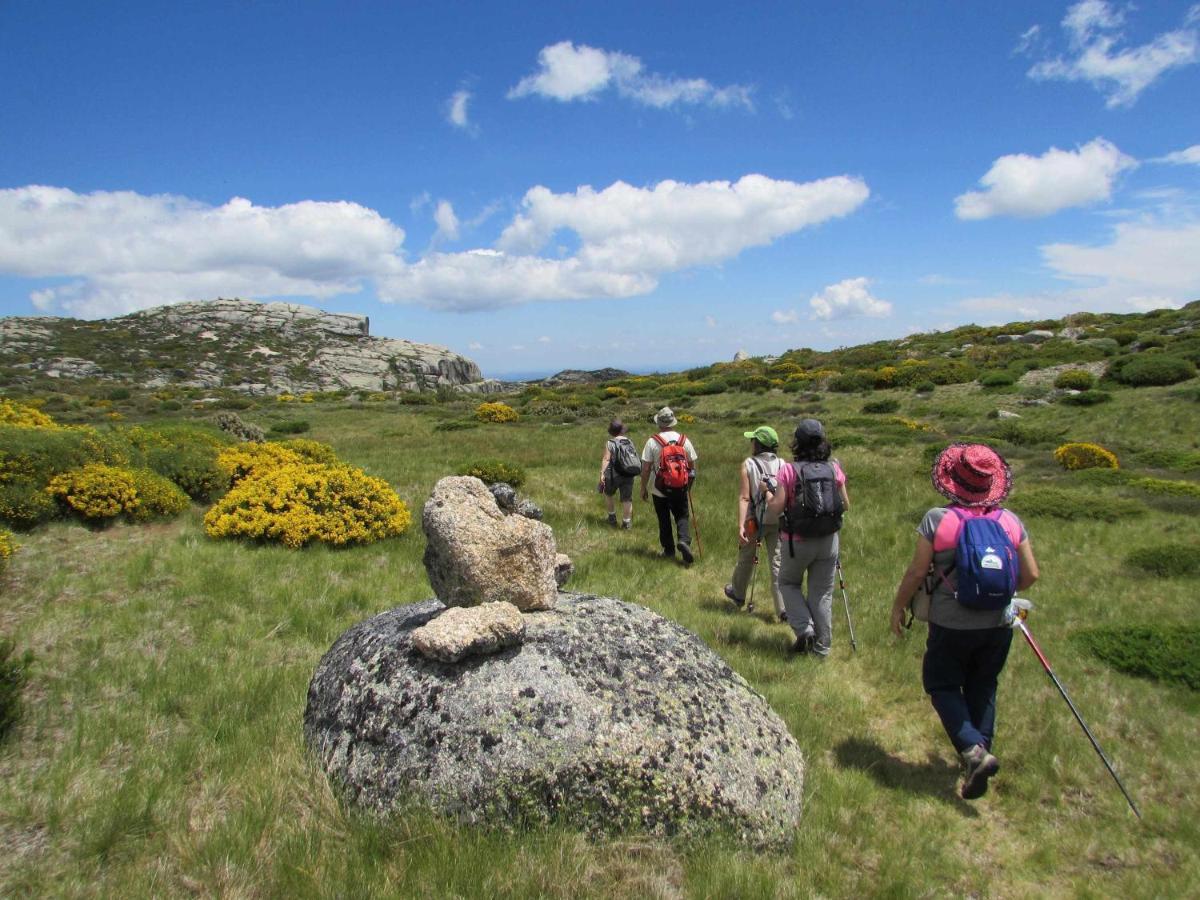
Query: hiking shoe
point(801, 646)
point(612, 520)
point(732, 596)
point(686, 552)
point(981, 766)
point(749, 607)
point(665, 554)
point(783, 617)
point(627, 524)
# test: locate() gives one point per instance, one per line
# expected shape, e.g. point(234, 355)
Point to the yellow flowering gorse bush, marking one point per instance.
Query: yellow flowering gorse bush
point(244, 460)
point(495, 412)
point(95, 491)
point(1074, 456)
point(13, 413)
point(7, 548)
point(313, 451)
point(298, 503)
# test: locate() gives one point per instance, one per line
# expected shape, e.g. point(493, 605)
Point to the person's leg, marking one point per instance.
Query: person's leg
point(627, 502)
point(610, 502)
point(820, 591)
point(792, 570)
point(771, 543)
point(743, 570)
point(942, 675)
point(663, 511)
point(982, 676)
point(679, 509)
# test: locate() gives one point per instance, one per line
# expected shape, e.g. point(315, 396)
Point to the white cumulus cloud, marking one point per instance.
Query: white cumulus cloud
point(568, 72)
point(848, 299)
point(130, 251)
point(1029, 186)
point(1187, 157)
point(447, 222)
point(1094, 35)
point(456, 110)
point(785, 317)
point(124, 251)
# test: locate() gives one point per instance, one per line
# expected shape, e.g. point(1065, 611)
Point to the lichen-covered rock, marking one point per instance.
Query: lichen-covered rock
point(563, 569)
point(475, 554)
point(470, 631)
point(607, 717)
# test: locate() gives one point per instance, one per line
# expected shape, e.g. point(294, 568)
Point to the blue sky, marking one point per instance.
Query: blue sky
point(640, 185)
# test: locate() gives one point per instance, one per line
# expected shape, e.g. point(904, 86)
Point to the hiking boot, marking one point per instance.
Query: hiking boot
point(981, 766)
point(627, 524)
point(686, 552)
point(783, 617)
point(805, 643)
point(612, 519)
point(665, 554)
point(732, 596)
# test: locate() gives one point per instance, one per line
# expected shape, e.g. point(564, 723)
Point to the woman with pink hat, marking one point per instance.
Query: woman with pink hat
point(967, 646)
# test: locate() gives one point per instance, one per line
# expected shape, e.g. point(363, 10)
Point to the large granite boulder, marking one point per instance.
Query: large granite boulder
point(474, 553)
point(608, 717)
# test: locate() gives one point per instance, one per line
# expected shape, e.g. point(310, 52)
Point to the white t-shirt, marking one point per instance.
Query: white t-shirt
point(653, 450)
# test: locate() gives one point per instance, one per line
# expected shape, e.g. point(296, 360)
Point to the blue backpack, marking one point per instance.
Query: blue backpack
point(986, 560)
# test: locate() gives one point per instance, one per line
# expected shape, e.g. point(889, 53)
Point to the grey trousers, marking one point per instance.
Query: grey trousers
point(743, 570)
point(809, 606)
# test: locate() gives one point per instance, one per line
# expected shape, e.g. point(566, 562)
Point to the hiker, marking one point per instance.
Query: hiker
point(810, 498)
point(670, 457)
point(755, 524)
point(967, 647)
point(618, 467)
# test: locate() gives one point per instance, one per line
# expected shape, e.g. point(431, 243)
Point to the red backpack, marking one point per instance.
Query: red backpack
point(674, 467)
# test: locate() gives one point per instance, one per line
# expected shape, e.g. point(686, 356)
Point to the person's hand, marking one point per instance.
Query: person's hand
point(897, 620)
point(743, 539)
point(645, 493)
point(600, 487)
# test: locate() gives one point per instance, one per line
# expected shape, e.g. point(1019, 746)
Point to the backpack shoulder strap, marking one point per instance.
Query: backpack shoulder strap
point(682, 440)
point(661, 440)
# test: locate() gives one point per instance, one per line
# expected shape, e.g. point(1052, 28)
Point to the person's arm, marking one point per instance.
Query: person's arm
point(917, 570)
point(1029, 567)
point(645, 478)
point(776, 499)
point(743, 506)
point(604, 461)
point(845, 497)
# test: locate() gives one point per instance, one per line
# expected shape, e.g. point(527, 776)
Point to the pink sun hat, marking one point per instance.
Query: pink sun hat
point(972, 475)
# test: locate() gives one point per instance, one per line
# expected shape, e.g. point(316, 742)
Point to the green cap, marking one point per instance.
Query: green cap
point(765, 435)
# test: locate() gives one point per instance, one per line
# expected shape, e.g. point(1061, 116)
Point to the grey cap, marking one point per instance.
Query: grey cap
point(809, 429)
point(665, 418)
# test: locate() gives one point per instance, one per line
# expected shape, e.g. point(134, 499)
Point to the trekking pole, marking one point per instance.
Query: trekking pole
point(1021, 609)
point(846, 601)
point(695, 524)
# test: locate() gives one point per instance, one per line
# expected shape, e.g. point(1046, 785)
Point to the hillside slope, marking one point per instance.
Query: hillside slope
point(254, 348)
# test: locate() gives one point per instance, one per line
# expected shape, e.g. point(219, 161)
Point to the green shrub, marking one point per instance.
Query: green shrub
point(924, 387)
point(887, 405)
point(1123, 336)
point(997, 379)
point(1154, 369)
point(1101, 477)
point(1167, 560)
point(157, 497)
point(1163, 653)
point(193, 468)
point(1086, 398)
point(1059, 504)
point(234, 403)
point(1156, 458)
point(849, 382)
point(1075, 380)
point(14, 672)
point(418, 399)
point(170, 406)
point(1022, 435)
point(290, 426)
point(455, 425)
point(24, 505)
point(1166, 487)
point(493, 471)
point(118, 393)
point(37, 454)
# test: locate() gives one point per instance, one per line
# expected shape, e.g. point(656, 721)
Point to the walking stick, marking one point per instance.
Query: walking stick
point(846, 601)
point(1022, 608)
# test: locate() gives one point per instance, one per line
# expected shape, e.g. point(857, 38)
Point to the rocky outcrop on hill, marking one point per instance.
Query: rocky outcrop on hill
point(256, 348)
point(606, 717)
point(579, 376)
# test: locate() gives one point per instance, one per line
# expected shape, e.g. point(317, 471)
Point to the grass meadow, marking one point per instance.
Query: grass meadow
point(161, 751)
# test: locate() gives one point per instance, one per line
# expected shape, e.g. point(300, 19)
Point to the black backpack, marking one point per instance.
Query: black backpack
point(624, 458)
point(816, 509)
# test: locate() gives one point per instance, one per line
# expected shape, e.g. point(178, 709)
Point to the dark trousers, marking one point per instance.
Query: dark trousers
point(960, 673)
point(675, 504)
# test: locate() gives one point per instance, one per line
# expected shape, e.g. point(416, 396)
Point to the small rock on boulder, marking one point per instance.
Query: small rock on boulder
point(608, 717)
point(474, 631)
point(475, 554)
